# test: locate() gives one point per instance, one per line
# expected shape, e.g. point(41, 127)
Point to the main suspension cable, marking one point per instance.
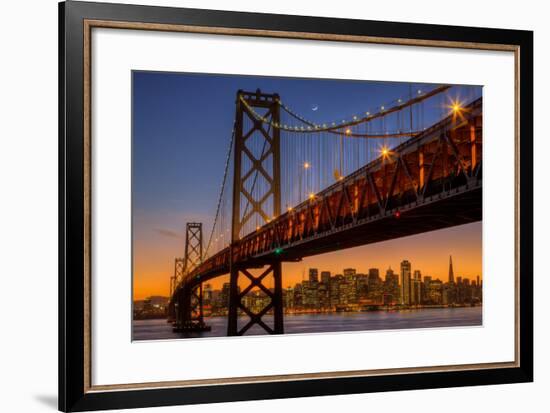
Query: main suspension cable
point(218, 207)
point(333, 127)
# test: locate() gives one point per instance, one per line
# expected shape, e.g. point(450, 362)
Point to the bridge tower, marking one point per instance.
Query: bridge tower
point(256, 201)
point(193, 245)
point(189, 311)
point(179, 270)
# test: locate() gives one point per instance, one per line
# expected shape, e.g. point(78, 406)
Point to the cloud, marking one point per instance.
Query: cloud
point(167, 233)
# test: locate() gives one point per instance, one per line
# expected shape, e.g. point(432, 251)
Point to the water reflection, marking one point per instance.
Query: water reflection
point(322, 323)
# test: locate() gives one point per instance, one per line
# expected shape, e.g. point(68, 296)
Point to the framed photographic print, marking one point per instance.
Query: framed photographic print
point(260, 206)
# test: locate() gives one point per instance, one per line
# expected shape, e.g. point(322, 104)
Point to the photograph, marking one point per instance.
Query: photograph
point(281, 205)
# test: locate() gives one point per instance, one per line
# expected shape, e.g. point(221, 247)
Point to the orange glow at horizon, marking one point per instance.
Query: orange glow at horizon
point(428, 252)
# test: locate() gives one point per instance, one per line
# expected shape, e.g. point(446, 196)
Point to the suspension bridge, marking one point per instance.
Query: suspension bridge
point(294, 188)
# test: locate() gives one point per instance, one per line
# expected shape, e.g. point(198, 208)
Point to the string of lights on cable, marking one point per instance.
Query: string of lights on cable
point(343, 127)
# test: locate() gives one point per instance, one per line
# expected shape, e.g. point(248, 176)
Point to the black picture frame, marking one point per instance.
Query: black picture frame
point(73, 395)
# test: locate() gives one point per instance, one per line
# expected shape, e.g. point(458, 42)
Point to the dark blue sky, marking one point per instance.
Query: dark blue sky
point(182, 125)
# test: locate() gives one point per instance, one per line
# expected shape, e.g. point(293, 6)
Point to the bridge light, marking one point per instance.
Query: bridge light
point(456, 107)
point(289, 209)
point(348, 131)
point(257, 228)
point(385, 151)
point(306, 165)
point(311, 195)
point(278, 251)
point(397, 214)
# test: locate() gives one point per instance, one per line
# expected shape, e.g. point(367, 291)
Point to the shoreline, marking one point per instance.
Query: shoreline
point(367, 309)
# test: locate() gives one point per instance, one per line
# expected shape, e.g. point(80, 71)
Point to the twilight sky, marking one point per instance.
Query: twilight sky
point(181, 129)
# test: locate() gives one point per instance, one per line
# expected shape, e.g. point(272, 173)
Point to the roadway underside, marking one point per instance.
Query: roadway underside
point(432, 214)
point(438, 212)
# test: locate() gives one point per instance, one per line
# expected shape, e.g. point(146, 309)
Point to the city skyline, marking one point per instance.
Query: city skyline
point(467, 261)
point(382, 272)
point(348, 290)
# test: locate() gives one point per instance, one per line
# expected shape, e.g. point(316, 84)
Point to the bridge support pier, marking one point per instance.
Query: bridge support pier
point(189, 312)
point(179, 271)
point(255, 316)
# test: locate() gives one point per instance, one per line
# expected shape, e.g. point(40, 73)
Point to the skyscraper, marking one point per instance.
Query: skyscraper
point(416, 289)
point(389, 274)
point(207, 294)
point(288, 298)
point(298, 295)
point(335, 289)
point(391, 285)
point(451, 274)
point(405, 282)
point(313, 275)
point(374, 276)
point(350, 285)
